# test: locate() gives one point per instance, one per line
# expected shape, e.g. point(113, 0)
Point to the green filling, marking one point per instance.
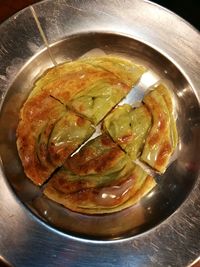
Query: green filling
point(129, 128)
point(91, 186)
point(95, 180)
point(96, 101)
point(96, 157)
point(127, 71)
point(67, 135)
point(168, 101)
point(88, 160)
point(162, 138)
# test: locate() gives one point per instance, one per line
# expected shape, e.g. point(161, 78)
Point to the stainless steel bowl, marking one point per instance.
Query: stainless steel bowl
point(161, 230)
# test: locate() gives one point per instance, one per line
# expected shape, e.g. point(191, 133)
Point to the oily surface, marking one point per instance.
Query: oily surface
point(101, 178)
point(61, 112)
point(63, 107)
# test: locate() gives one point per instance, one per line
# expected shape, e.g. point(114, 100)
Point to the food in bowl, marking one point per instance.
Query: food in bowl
point(61, 113)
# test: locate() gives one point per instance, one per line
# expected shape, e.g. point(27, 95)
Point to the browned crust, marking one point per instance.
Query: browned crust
point(87, 161)
point(34, 115)
point(73, 201)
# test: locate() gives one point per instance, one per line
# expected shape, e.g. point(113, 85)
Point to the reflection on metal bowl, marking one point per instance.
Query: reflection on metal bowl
point(147, 233)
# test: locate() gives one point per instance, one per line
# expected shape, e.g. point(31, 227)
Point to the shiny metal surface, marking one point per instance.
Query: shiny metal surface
point(137, 93)
point(162, 230)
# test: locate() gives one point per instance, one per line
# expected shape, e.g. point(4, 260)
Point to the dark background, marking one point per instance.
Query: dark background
point(188, 9)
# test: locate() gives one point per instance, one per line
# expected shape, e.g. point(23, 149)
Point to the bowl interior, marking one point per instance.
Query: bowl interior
point(173, 187)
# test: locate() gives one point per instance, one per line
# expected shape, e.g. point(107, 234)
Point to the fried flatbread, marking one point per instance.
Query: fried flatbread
point(47, 133)
point(61, 112)
point(58, 114)
point(91, 86)
point(162, 138)
point(99, 179)
point(129, 127)
point(117, 76)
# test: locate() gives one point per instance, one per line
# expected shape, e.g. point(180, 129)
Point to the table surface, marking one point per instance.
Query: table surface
point(188, 10)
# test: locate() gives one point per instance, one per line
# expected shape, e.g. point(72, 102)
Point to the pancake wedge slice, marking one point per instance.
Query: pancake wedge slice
point(87, 194)
point(98, 99)
point(126, 70)
point(116, 76)
point(162, 138)
point(164, 91)
point(37, 117)
point(67, 135)
point(129, 127)
point(89, 184)
point(92, 86)
point(100, 155)
point(42, 122)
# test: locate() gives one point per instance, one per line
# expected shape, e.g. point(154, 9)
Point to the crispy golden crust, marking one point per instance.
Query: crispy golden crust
point(99, 179)
point(162, 138)
point(58, 117)
point(68, 134)
point(34, 116)
point(122, 68)
point(82, 196)
point(41, 143)
point(66, 87)
point(129, 127)
point(47, 132)
point(158, 149)
point(98, 156)
point(75, 84)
